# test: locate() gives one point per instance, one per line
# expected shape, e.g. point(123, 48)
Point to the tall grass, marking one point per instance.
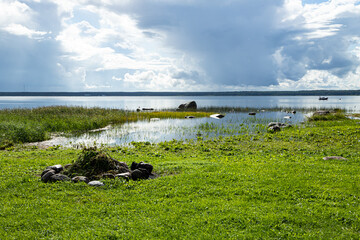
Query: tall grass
point(29, 125)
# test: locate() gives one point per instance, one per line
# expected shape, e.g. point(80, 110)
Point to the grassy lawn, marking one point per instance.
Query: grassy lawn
point(252, 186)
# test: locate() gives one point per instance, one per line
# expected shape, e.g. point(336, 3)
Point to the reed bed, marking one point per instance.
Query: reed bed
point(37, 124)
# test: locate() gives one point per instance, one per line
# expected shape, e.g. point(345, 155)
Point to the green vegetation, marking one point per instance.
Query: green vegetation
point(334, 115)
point(250, 186)
point(31, 125)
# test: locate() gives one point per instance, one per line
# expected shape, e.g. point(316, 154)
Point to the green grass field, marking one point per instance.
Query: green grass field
point(251, 186)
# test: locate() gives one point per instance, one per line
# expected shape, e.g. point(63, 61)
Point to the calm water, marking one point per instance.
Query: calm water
point(156, 130)
point(183, 129)
point(351, 103)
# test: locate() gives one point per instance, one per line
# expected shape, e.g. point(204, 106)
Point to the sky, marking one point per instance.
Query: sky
point(179, 45)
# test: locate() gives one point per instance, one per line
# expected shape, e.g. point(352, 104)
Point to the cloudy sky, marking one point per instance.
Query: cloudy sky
point(179, 45)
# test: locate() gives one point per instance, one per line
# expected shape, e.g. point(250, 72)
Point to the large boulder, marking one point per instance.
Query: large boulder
point(187, 106)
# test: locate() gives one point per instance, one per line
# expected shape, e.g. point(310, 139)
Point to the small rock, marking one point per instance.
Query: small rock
point(47, 170)
point(126, 175)
point(58, 178)
point(252, 113)
point(80, 179)
point(279, 124)
point(108, 175)
point(275, 128)
point(57, 168)
point(217, 116)
point(334, 158)
point(46, 176)
point(140, 173)
point(96, 183)
point(67, 165)
point(143, 165)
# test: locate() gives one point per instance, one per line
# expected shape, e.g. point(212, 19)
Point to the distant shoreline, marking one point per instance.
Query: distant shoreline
point(234, 93)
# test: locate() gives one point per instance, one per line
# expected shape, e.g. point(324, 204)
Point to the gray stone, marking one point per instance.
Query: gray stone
point(186, 106)
point(126, 175)
point(57, 168)
point(278, 124)
point(217, 116)
point(58, 178)
point(46, 176)
point(143, 165)
point(140, 173)
point(96, 183)
point(47, 170)
point(108, 175)
point(275, 128)
point(80, 179)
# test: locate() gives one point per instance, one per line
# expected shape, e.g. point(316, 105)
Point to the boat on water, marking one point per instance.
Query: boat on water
point(323, 98)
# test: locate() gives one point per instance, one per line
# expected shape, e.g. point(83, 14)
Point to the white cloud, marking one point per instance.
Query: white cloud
point(21, 30)
point(317, 19)
point(167, 45)
point(14, 12)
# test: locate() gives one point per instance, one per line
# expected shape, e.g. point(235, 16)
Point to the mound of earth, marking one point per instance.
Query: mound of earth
point(94, 163)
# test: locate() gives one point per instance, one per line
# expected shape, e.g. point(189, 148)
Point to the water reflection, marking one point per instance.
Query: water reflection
point(155, 130)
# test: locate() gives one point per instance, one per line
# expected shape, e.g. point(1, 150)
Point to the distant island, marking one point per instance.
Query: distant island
point(234, 93)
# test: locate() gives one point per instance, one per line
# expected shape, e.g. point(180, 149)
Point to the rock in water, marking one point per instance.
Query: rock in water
point(217, 116)
point(187, 106)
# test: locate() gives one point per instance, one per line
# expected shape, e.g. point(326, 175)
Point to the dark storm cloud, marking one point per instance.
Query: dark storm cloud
point(232, 40)
point(235, 41)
